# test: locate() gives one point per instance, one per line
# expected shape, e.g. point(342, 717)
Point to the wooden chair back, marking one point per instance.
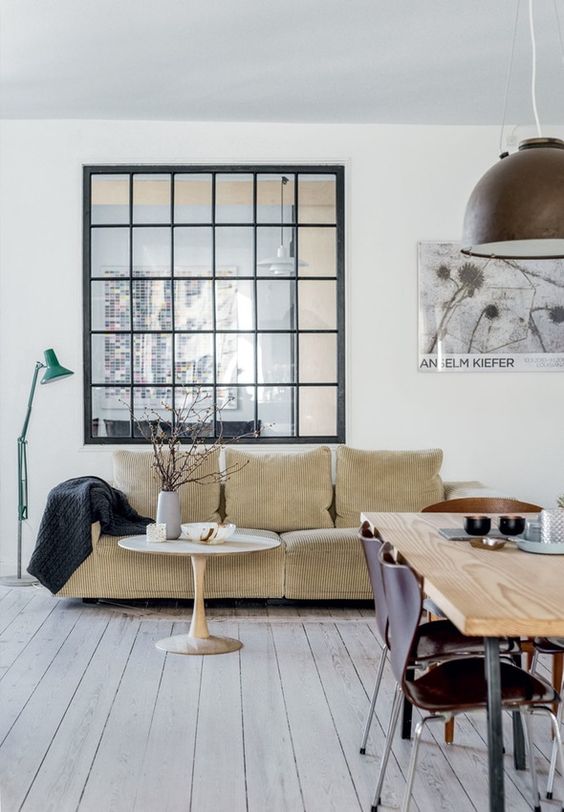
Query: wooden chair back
point(482, 504)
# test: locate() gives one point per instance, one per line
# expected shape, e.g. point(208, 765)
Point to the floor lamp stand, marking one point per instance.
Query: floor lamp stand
point(19, 579)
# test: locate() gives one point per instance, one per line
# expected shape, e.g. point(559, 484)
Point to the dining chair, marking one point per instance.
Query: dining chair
point(435, 642)
point(452, 687)
point(553, 646)
point(475, 504)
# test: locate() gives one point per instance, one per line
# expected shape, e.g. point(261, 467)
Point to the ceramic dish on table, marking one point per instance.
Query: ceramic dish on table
point(541, 547)
point(208, 532)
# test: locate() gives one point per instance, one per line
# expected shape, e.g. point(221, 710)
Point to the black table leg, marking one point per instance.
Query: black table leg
point(495, 732)
point(519, 757)
point(407, 711)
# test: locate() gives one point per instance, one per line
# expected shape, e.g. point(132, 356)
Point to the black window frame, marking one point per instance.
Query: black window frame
point(255, 169)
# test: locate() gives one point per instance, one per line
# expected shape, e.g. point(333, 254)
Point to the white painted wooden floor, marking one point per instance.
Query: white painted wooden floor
point(94, 718)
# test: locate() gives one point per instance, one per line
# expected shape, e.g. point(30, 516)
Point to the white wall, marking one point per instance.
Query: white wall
point(403, 184)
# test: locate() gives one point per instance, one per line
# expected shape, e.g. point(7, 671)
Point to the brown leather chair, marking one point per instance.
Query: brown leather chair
point(436, 642)
point(456, 686)
point(480, 504)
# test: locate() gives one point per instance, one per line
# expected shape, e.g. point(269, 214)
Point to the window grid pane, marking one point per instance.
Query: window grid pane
point(276, 360)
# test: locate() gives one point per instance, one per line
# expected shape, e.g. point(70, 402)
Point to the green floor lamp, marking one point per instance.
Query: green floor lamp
point(53, 371)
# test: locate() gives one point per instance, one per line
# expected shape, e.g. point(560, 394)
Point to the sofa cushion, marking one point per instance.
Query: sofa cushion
point(135, 476)
point(325, 565)
point(385, 481)
point(280, 491)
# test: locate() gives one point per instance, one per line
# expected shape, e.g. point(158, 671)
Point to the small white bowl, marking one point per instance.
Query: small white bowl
point(208, 532)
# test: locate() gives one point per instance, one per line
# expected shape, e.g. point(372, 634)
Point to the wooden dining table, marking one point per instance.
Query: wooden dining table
point(485, 593)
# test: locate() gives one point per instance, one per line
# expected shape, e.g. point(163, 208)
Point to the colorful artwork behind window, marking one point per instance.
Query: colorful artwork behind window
point(489, 315)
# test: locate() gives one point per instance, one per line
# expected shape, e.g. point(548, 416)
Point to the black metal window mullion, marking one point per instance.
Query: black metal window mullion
point(296, 389)
point(214, 303)
point(255, 297)
point(172, 299)
point(131, 310)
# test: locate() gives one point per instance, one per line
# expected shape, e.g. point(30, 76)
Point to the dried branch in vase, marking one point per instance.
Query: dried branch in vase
point(179, 448)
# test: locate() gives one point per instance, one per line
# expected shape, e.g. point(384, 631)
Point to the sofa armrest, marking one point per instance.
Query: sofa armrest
point(462, 489)
point(96, 529)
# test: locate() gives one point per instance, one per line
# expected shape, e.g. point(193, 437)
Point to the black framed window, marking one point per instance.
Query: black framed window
point(227, 279)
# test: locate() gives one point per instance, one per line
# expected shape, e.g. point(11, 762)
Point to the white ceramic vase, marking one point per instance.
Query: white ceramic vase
point(168, 512)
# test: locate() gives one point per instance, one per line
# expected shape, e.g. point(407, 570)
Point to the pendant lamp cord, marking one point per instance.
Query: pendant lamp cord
point(283, 183)
point(508, 79)
point(534, 68)
point(559, 28)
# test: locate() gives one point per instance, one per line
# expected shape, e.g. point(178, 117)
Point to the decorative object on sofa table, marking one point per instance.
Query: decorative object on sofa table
point(189, 423)
point(168, 513)
point(516, 210)
point(156, 533)
point(208, 532)
point(552, 526)
point(53, 371)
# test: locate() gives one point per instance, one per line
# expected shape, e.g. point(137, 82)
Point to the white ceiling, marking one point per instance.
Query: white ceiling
point(394, 61)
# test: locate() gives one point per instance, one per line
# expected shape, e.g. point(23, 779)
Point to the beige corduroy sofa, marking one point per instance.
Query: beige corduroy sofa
point(290, 496)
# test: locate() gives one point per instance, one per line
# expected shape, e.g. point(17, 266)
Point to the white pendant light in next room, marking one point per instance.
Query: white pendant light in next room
point(282, 263)
point(516, 210)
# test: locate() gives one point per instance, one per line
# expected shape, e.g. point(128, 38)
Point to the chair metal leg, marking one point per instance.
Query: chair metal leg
point(528, 731)
point(557, 752)
point(413, 759)
point(394, 716)
point(381, 664)
point(554, 754)
point(534, 662)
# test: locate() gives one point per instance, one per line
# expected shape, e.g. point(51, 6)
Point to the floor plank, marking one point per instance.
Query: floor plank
point(272, 782)
point(349, 703)
point(165, 783)
point(15, 602)
point(23, 677)
point(23, 627)
point(219, 739)
point(64, 770)
point(113, 779)
point(324, 774)
point(23, 749)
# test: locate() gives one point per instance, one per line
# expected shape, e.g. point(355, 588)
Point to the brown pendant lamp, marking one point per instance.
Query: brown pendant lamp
point(516, 210)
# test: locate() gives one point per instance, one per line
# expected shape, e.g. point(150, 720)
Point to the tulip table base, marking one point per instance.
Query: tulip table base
point(184, 644)
point(199, 640)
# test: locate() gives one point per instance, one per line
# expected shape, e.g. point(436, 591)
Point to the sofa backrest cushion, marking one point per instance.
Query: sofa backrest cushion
point(402, 481)
point(135, 476)
point(280, 491)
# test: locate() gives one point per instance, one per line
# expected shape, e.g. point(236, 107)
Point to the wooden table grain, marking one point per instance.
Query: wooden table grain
point(486, 593)
point(497, 593)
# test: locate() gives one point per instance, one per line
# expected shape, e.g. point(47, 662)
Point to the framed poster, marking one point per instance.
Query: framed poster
point(489, 315)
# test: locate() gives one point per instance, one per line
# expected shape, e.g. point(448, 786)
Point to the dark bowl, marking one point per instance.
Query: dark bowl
point(477, 525)
point(511, 525)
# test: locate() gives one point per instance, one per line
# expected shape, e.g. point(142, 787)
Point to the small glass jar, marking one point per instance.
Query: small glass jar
point(552, 526)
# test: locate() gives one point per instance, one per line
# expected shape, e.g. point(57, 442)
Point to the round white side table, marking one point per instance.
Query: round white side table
point(199, 640)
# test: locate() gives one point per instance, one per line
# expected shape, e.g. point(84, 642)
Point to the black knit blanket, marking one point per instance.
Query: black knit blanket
point(65, 537)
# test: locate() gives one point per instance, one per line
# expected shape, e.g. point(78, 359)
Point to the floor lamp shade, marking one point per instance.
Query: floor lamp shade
point(53, 370)
point(516, 210)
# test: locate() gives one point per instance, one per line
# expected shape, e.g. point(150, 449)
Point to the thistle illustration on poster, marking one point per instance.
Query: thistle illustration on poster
point(489, 315)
